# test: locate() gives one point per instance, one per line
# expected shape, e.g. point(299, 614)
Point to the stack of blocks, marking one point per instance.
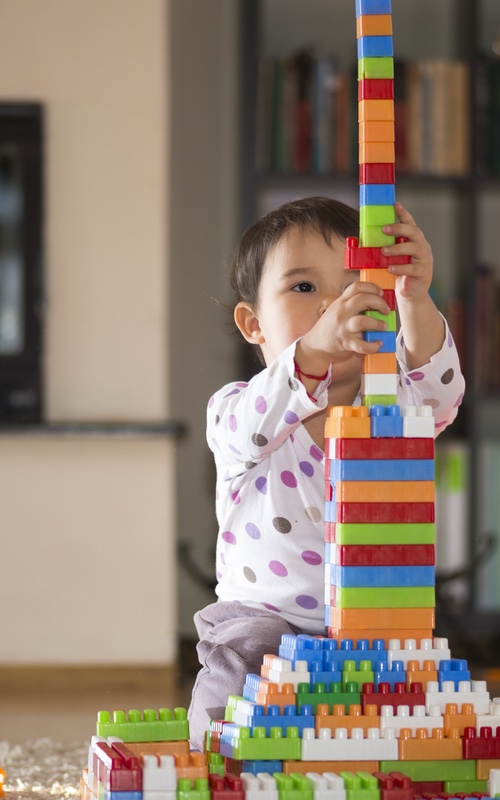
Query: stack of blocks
point(378, 709)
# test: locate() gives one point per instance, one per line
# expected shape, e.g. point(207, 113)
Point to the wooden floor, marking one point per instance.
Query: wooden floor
point(62, 703)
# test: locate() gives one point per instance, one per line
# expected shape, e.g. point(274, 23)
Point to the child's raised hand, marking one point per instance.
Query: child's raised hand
point(412, 280)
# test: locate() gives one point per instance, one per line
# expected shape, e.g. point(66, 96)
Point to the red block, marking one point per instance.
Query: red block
point(117, 768)
point(376, 89)
point(227, 787)
point(483, 746)
point(373, 555)
point(428, 789)
point(384, 512)
point(401, 696)
point(394, 786)
point(366, 449)
point(377, 173)
point(390, 298)
point(356, 257)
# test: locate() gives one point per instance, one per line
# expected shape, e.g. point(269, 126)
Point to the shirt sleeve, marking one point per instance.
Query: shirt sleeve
point(439, 384)
point(248, 421)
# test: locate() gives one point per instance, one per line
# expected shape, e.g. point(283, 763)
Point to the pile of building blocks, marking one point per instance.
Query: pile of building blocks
point(377, 709)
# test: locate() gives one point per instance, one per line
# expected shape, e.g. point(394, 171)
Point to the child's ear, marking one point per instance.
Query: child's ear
point(247, 323)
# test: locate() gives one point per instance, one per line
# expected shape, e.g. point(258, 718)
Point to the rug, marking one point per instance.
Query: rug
point(43, 769)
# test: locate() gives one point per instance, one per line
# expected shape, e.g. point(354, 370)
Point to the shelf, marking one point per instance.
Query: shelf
point(102, 430)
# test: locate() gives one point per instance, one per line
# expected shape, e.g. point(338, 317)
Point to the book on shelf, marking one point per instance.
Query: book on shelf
point(487, 321)
point(307, 115)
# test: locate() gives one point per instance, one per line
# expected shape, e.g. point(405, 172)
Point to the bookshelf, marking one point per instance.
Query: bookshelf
point(298, 55)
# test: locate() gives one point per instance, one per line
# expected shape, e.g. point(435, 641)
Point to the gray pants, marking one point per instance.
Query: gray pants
point(233, 640)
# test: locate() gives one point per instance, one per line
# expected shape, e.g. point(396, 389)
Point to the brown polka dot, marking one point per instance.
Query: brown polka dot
point(259, 440)
point(447, 377)
point(250, 464)
point(282, 524)
point(249, 574)
point(432, 403)
point(314, 514)
point(217, 419)
point(293, 384)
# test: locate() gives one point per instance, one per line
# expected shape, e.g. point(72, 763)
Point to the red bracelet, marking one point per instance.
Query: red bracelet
point(311, 377)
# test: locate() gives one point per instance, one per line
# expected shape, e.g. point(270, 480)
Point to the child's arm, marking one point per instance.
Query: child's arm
point(421, 323)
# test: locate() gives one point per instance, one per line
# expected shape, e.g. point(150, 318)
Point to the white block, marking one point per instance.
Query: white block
point(340, 747)
point(401, 717)
point(259, 787)
point(90, 762)
point(491, 719)
point(435, 650)
point(371, 383)
point(328, 786)
point(281, 671)
point(418, 422)
point(158, 774)
point(474, 692)
point(494, 783)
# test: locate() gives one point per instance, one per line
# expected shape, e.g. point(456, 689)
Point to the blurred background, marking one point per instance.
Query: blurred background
point(137, 141)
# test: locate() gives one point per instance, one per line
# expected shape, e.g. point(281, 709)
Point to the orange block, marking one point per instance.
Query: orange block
point(380, 363)
point(385, 491)
point(483, 766)
point(376, 130)
point(392, 618)
point(353, 719)
point(421, 674)
point(378, 633)
point(375, 109)
point(380, 277)
point(271, 694)
point(348, 422)
point(192, 766)
point(373, 25)
point(433, 747)
point(453, 718)
point(159, 748)
point(376, 153)
point(330, 766)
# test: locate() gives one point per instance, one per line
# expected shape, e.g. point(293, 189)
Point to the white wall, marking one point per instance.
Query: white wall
point(88, 524)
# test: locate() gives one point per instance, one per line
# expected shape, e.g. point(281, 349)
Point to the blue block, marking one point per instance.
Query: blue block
point(325, 673)
point(106, 795)
point(385, 421)
point(288, 718)
point(375, 47)
point(388, 339)
point(373, 7)
point(392, 675)
point(377, 194)
point(353, 577)
point(301, 648)
point(269, 767)
point(407, 469)
point(361, 652)
point(455, 670)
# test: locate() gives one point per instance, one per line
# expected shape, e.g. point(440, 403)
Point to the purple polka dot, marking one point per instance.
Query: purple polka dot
point(450, 339)
point(232, 422)
point(290, 417)
point(289, 479)
point(408, 381)
point(227, 475)
point(261, 405)
point(402, 342)
point(242, 384)
point(278, 568)
point(316, 453)
point(222, 559)
point(229, 537)
point(211, 401)
point(218, 574)
point(271, 607)
point(311, 557)
point(306, 601)
point(416, 376)
point(459, 401)
point(307, 468)
point(235, 497)
point(233, 391)
point(261, 485)
point(234, 449)
point(252, 530)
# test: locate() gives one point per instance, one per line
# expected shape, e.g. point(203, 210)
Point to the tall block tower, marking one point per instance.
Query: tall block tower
point(379, 508)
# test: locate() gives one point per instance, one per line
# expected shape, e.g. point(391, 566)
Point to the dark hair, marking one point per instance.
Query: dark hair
point(322, 214)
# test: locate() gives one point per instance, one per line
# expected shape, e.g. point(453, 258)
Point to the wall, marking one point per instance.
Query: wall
point(88, 524)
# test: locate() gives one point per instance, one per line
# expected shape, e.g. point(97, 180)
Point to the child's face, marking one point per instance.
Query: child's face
point(302, 275)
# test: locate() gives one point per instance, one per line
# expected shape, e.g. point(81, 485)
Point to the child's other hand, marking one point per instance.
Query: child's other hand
point(413, 280)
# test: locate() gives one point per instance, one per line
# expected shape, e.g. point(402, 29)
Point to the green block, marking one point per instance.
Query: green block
point(380, 533)
point(216, 764)
point(432, 770)
point(263, 747)
point(376, 215)
point(389, 319)
point(360, 786)
point(186, 791)
point(294, 786)
point(150, 727)
point(375, 67)
point(359, 676)
point(470, 787)
point(337, 694)
point(373, 236)
point(385, 597)
point(232, 701)
point(379, 400)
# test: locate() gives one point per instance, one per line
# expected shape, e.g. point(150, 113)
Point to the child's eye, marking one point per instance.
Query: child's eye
point(303, 286)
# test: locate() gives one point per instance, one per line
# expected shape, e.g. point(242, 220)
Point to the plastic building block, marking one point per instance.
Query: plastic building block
point(473, 692)
point(336, 695)
point(377, 130)
point(380, 277)
point(398, 696)
point(327, 786)
point(394, 786)
point(336, 766)
point(358, 674)
point(360, 786)
point(372, 235)
point(375, 173)
point(408, 469)
point(433, 770)
point(418, 421)
point(257, 767)
point(460, 719)
point(386, 491)
point(371, 214)
point(242, 743)
point(294, 786)
point(420, 673)
point(227, 787)
point(117, 768)
point(186, 790)
point(407, 650)
point(160, 748)
point(259, 787)
point(377, 152)
point(484, 766)
point(387, 576)
point(374, 46)
point(149, 727)
point(281, 670)
point(329, 673)
point(494, 783)
point(489, 719)
point(216, 763)
point(192, 766)
point(395, 533)
point(484, 745)
point(461, 788)
point(403, 718)
point(375, 363)
point(387, 339)
point(353, 718)
point(376, 555)
point(381, 384)
point(376, 67)
point(369, 449)
point(454, 670)
point(372, 7)
point(385, 421)
point(158, 774)
point(371, 258)
point(347, 421)
point(379, 512)
point(341, 747)
point(275, 718)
